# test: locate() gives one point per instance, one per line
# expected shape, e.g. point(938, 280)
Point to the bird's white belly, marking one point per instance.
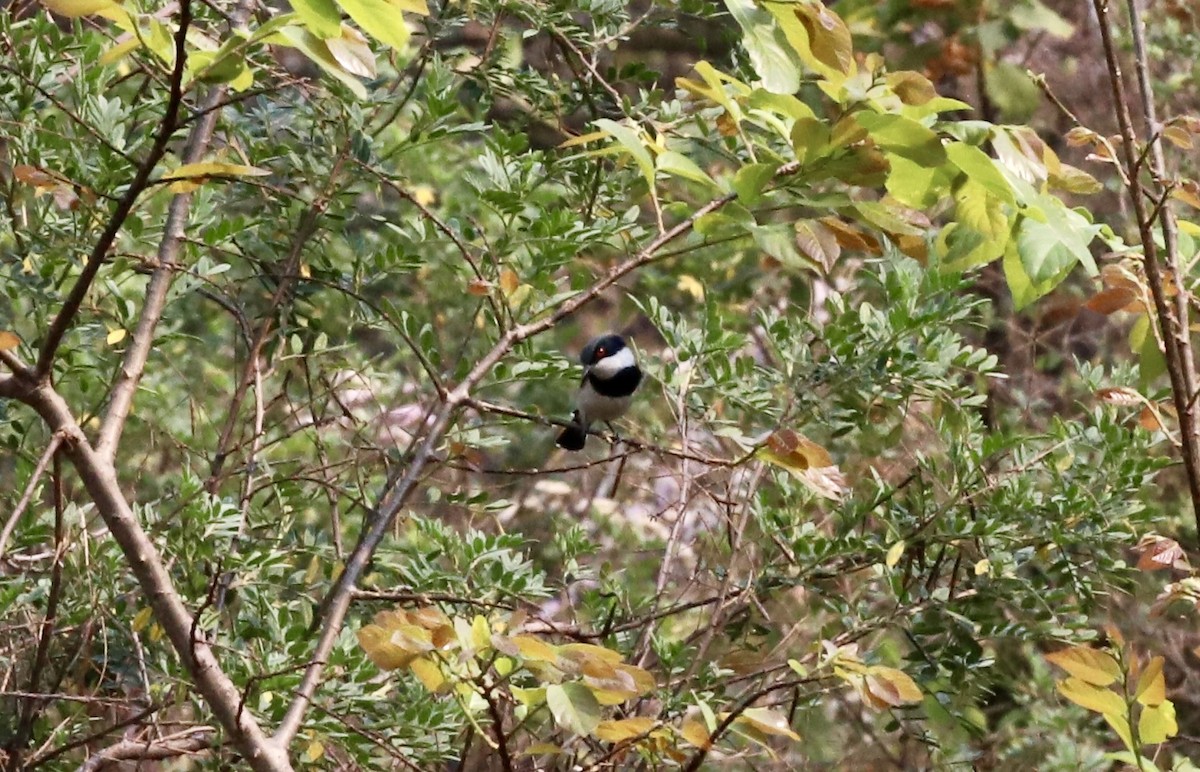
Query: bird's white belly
point(597, 407)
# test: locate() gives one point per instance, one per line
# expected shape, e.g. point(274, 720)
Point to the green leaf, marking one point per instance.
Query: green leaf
point(916, 184)
point(1051, 245)
point(981, 169)
point(904, 137)
point(321, 17)
point(770, 55)
point(316, 50)
point(632, 144)
point(750, 181)
point(1033, 16)
point(1013, 91)
point(679, 165)
point(380, 19)
point(574, 707)
point(779, 241)
point(810, 139)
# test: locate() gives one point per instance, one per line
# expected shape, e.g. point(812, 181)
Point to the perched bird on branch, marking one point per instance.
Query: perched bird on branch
point(610, 377)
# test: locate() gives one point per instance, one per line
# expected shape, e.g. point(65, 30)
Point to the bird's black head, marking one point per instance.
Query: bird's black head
point(601, 348)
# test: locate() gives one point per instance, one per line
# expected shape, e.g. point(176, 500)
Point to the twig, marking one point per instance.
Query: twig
point(38, 470)
point(1172, 320)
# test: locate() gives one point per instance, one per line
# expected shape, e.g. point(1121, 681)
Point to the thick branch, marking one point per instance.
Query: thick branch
point(197, 656)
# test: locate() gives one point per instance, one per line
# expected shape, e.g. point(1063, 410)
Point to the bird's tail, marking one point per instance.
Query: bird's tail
point(574, 437)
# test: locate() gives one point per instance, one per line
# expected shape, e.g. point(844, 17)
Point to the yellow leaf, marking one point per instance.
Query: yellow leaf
point(582, 652)
point(983, 567)
point(1157, 723)
point(889, 687)
point(314, 751)
point(1094, 698)
point(75, 8)
point(691, 286)
point(1120, 725)
point(541, 749)
point(198, 172)
point(1087, 664)
point(424, 195)
point(385, 654)
point(894, 554)
point(509, 281)
point(120, 50)
point(115, 336)
point(8, 340)
point(794, 452)
point(481, 634)
point(142, 619)
point(412, 6)
point(695, 733)
point(530, 698)
point(534, 648)
point(1151, 686)
point(766, 721)
point(428, 673)
point(624, 729)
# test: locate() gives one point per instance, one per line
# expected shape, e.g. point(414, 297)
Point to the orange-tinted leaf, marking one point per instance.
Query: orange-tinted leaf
point(1159, 552)
point(1111, 300)
point(479, 287)
point(1087, 664)
point(1149, 419)
point(8, 340)
point(509, 281)
point(377, 644)
point(793, 451)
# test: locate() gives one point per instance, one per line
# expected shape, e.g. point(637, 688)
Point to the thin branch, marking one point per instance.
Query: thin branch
point(30, 487)
point(1172, 320)
point(141, 180)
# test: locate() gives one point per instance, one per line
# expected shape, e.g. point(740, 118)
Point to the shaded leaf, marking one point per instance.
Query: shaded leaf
point(574, 707)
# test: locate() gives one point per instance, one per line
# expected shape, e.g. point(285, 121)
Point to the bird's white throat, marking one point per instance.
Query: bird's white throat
point(611, 365)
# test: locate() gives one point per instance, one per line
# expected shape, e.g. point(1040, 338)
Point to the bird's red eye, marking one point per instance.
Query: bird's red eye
point(601, 353)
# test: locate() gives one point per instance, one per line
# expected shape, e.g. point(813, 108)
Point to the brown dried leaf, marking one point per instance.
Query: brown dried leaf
point(1111, 300)
point(1159, 552)
point(1120, 396)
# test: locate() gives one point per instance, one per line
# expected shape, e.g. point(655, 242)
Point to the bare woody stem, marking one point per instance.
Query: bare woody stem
point(1172, 315)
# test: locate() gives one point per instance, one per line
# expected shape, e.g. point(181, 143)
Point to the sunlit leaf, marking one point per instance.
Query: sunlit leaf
point(8, 340)
point(1087, 664)
point(1157, 723)
point(1095, 698)
point(767, 721)
point(1152, 686)
point(614, 731)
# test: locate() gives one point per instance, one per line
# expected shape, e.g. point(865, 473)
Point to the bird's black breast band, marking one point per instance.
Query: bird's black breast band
point(622, 384)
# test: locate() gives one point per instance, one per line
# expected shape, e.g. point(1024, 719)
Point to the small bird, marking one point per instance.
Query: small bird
point(610, 376)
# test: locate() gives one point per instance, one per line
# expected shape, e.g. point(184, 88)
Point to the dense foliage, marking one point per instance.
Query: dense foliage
point(291, 305)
